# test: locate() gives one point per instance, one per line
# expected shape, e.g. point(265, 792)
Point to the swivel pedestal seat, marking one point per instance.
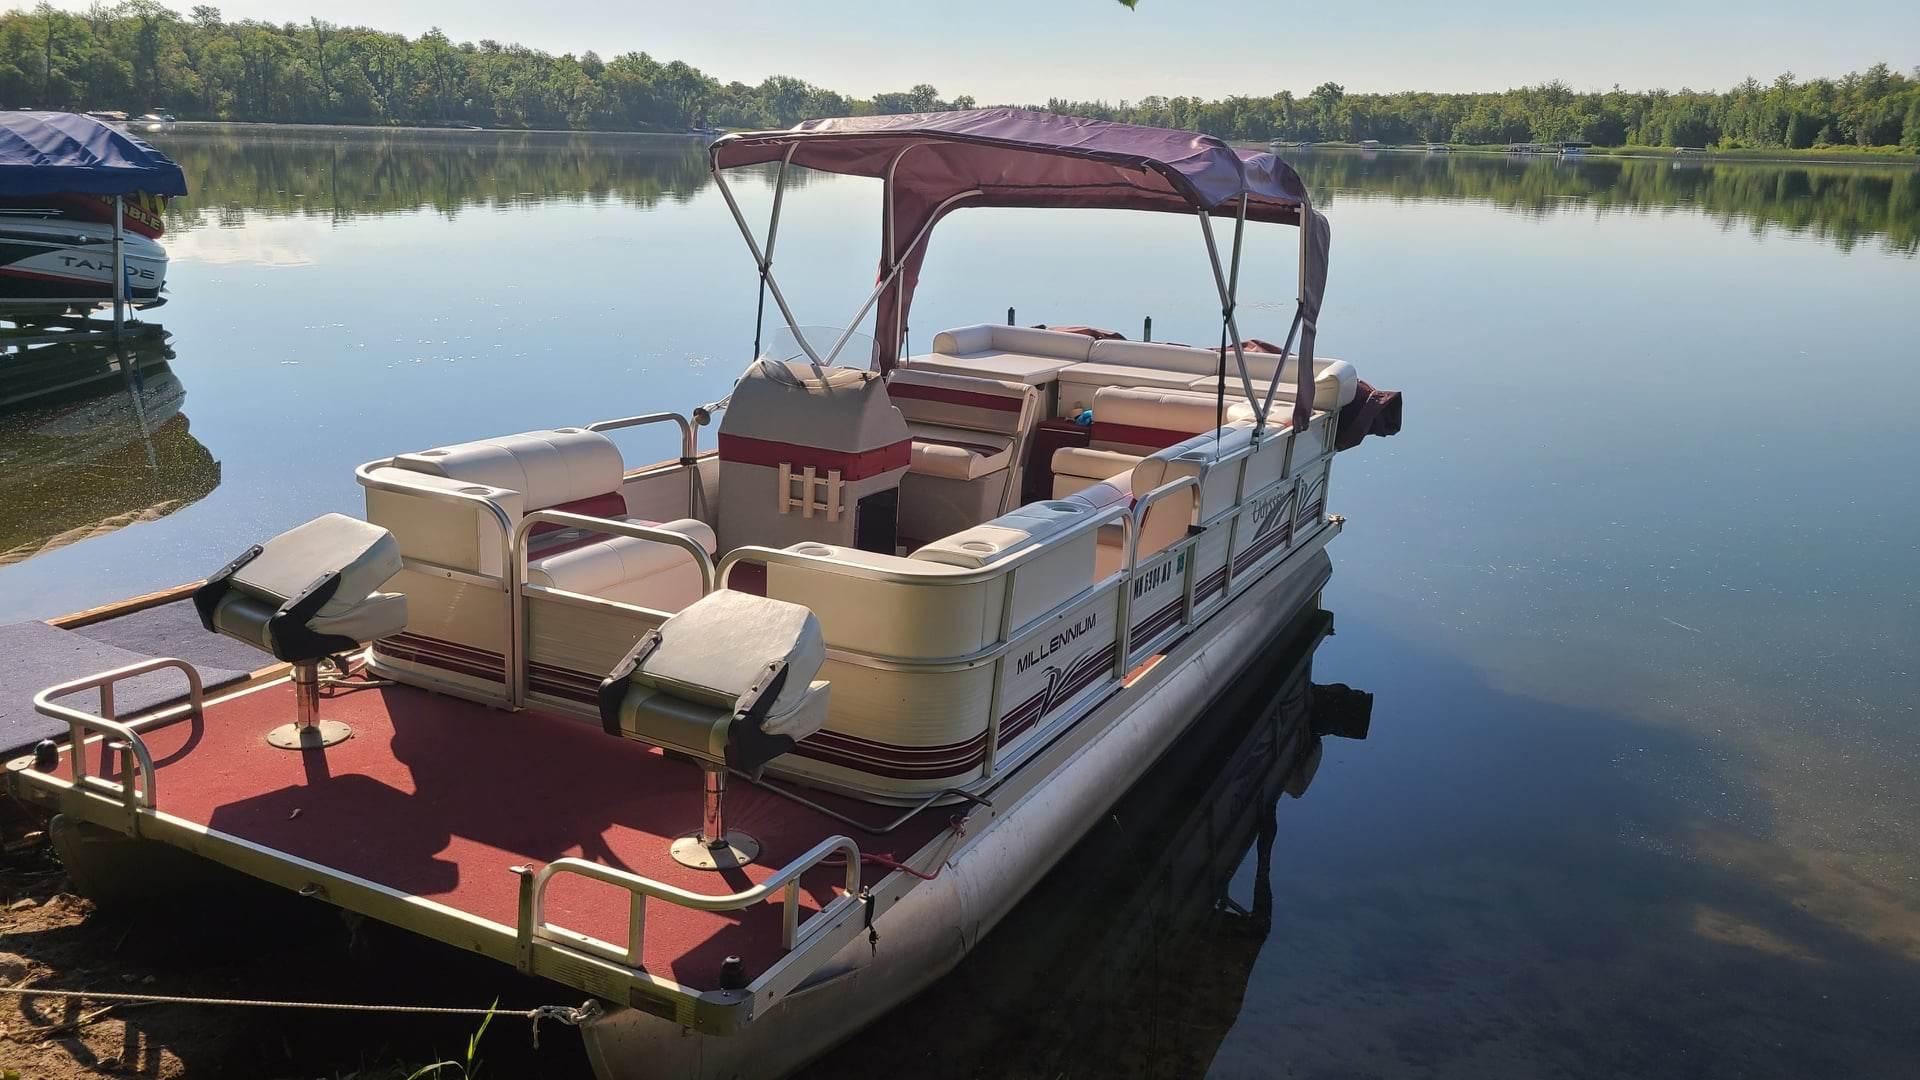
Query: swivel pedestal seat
point(728, 682)
point(304, 596)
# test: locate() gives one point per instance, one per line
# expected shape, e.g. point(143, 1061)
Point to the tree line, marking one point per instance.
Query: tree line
point(140, 55)
point(1877, 107)
point(143, 56)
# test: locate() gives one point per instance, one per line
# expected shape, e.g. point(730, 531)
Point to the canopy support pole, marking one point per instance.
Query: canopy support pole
point(773, 232)
point(899, 299)
point(1227, 294)
point(894, 271)
point(766, 263)
point(1303, 380)
point(119, 266)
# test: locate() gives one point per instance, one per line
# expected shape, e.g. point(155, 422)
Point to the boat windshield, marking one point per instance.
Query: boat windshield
point(783, 345)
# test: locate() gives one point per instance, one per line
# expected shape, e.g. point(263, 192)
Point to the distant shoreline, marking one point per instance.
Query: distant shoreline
point(1782, 156)
point(1820, 155)
point(348, 125)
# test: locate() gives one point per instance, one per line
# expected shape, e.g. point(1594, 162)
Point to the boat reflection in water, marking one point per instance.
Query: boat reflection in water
point(92, 439)
point(1132, 956)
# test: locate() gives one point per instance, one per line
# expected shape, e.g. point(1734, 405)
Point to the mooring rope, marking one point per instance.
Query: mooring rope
point(570, 1015)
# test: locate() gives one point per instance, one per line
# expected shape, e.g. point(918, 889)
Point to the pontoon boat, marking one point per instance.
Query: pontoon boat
point(754, 743)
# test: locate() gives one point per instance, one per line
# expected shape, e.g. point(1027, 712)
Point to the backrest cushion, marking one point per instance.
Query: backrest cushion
point(548, 468)
point(1189, 457)
point(963, 339)
point(983, 337)
point(1036, 342)
point(1157, 355)
point(1141, 420)
point(930, 397)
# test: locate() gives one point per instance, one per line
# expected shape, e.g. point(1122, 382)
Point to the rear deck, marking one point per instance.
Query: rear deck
point(439, 798)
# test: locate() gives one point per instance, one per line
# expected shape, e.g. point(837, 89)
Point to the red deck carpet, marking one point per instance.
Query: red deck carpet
point(438, 797)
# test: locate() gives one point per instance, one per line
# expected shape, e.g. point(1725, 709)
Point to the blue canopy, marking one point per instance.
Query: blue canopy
point(45, 153)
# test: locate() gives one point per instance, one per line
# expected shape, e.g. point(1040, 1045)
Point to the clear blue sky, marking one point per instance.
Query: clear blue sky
point(1026, 50)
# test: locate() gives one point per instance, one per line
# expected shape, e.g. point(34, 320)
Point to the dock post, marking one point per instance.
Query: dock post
point(119, 265)
point(1146, 329)
point(1009, 316)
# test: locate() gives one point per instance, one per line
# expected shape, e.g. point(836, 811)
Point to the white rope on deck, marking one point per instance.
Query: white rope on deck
point(571, 1015)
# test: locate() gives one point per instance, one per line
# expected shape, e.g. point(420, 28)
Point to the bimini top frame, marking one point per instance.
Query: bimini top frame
point(933, 163)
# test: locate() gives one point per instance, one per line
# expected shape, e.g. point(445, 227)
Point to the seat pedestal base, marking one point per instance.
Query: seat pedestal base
point(309, 736)
point(700, 853)
point(715, 847)
point(308, 731)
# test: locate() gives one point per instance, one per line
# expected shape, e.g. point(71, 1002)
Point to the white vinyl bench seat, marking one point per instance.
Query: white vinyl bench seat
point(956, 453)
point(628, 570)
point(968, 434)
point(567, 469)
point(1080, 382)
point(1016, 354)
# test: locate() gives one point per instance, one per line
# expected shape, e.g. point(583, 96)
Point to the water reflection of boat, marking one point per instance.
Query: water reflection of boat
point(1064, 994)
point(104, 447)
point(47, 369)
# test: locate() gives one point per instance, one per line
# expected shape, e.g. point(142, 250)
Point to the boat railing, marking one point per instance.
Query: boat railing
point(1124, 658)
point(532, 925)
point(689, 452)
point(686, 428)
point(517, 584)
point(1006, 570)
point(364, 474)
point(134, 790)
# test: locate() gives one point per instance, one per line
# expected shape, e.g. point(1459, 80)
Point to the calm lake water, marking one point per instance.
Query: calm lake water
point(1636, 588)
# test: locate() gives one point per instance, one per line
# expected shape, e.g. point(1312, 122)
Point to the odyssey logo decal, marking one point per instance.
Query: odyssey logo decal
point(1270, 512)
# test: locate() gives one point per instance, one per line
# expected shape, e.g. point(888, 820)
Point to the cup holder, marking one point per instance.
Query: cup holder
point(815, 550)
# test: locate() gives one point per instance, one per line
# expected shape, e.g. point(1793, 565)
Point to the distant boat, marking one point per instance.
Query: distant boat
point(1689, 149)
point(153, 121)
point(1369, 144)
point(1567, 148)
point(1439, 148)
point(60, 177)
point(1532, 148)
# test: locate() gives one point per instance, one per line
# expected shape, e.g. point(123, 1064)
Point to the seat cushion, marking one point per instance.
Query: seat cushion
point(1028, 369)
point(1096, 375)
point(561, 465)
point(1156, 355)
point(1033, 341)
point(1086, 464)
point(955, 453)
point(627, 569)
point(364, 556)
point(718, 648)
point(932, 397)
point(1334, 381)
